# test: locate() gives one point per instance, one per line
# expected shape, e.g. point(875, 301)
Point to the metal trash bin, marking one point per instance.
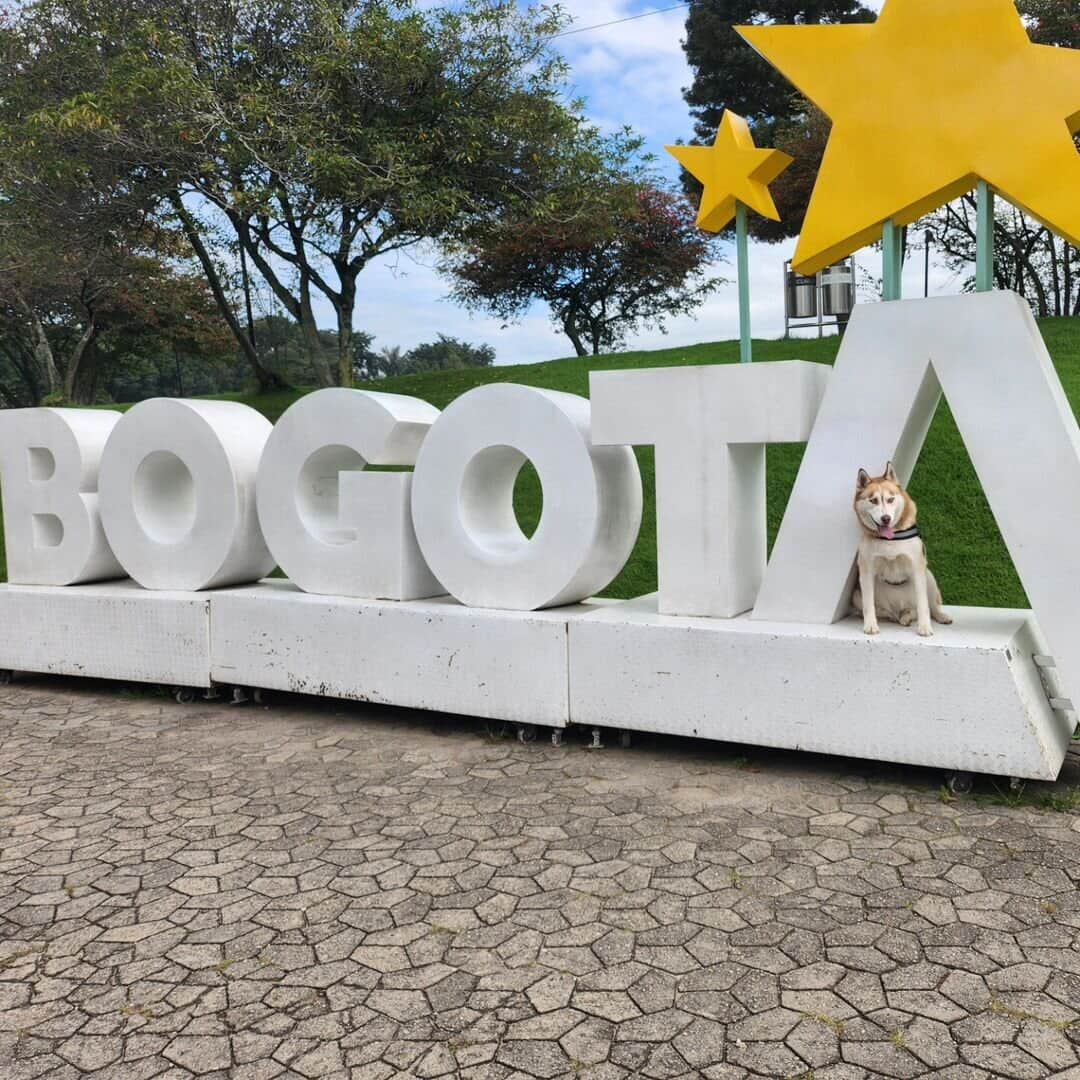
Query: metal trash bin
point(838, 290)
point(800, 296)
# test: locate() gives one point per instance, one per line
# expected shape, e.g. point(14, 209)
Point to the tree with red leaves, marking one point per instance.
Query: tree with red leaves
point(609, 256)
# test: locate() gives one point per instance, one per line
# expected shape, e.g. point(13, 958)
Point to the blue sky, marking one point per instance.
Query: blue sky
point(631, 73)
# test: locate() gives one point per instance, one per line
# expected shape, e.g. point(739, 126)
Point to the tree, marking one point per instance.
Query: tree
point(315, 134)
point(444, 354)
point(390, 360)
point(70, 329)
point(365, 358)
point(728, 74)
point(292, 356)
point(448, 354)
point(162, 336)
point(64, 247)
point(607, 256)
point(1051, 22)
point(1028, 258)
point(84, 272)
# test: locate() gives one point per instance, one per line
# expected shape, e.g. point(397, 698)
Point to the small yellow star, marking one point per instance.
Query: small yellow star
point(926, 101)
point(732, 170)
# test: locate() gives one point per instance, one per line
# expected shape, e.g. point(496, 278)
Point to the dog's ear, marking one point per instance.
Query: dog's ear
point(862, 480)
point(890, 472)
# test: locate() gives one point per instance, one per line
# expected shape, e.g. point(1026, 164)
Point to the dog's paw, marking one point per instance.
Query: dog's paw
point(945, 620)
point(871, 629)
point(907, 618)
point(925, 631)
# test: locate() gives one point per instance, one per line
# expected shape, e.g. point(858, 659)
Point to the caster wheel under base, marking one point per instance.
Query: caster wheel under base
point(961, 783)
point(526, 733)
point(184, 695)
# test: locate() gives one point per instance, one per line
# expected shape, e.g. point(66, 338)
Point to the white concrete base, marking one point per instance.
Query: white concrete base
point(970, 698)
point(111, 630)
point(423, 654)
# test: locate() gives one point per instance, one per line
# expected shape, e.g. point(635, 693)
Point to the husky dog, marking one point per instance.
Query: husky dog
point(895, 582)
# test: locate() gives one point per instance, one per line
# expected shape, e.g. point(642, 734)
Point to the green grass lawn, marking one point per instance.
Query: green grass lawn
point(966, 550)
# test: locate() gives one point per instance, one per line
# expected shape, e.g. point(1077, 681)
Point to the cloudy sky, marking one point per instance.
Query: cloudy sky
point(629, 73)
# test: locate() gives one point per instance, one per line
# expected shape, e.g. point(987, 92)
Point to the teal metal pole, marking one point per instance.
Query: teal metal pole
point(892, 258)
point(984, 238)
point(743, 273)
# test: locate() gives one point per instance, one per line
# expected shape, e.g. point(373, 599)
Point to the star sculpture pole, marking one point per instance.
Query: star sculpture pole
point(984, 238)
point(928, 102)
point(736, 176)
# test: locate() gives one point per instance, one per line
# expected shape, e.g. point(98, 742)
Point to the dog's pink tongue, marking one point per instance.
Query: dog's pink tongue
point(885, 532)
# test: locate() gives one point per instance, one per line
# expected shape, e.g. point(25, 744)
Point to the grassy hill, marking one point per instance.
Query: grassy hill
point(966, 550)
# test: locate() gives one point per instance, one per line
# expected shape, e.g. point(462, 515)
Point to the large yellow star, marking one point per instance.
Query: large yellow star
point(932, 97)
point(733, 170)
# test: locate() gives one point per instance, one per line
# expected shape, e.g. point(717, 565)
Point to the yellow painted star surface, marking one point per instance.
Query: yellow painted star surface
point(932, 97)
point(733, 170)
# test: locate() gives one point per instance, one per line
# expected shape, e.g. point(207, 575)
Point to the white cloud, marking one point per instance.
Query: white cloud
point(630, 72)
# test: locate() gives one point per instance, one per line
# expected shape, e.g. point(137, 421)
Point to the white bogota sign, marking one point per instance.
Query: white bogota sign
point(137, 545)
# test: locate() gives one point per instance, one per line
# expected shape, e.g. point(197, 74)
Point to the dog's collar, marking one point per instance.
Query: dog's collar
point(902, 534)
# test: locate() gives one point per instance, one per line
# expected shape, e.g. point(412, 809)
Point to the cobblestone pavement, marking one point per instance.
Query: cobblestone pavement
point(320, 890)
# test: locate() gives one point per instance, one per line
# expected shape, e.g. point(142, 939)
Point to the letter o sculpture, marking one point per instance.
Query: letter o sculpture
point(463, 494)
point(177, 494)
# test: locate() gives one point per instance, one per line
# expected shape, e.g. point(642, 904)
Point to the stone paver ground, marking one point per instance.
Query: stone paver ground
point(322, 890)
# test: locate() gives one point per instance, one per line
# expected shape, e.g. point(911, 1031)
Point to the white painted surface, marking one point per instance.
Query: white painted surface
point(986, 353)
point(423, 654)
point(463, 489)
point(968, 698)
point(49, 461)
point(709, 425)
point(332, 527)
point(111, 630)
point(177, 494)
